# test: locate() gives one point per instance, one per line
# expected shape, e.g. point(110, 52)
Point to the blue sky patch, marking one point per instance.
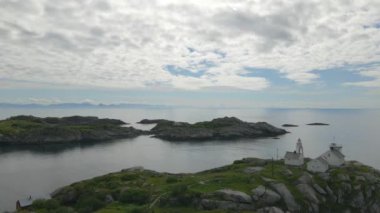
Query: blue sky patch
point(349, 73)
point(179, 71)
point(272, 75)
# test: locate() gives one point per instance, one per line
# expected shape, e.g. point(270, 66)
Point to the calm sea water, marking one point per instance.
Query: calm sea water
point(34, 171)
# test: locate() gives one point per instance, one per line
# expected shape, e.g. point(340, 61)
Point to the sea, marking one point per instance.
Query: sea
point(37, 171)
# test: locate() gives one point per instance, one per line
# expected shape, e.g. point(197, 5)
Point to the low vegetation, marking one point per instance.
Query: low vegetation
point(34, 130)
point(139, 190)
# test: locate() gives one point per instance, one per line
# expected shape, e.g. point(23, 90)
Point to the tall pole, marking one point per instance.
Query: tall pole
point(272, 167)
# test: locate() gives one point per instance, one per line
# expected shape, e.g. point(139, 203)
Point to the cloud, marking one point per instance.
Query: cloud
point(128, 44)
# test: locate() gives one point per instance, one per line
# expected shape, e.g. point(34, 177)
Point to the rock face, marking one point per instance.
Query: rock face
point(234, 196)
point(290, 202)
point(271, 209)
point(35, 130)
point(265, 196)
point(219, 128)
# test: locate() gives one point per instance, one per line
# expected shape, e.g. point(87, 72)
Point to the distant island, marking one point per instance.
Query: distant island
point(34, 130)
point(247, 185)
point(218, 129)
point(152, 121)
point(289, 125)
point(318, 124)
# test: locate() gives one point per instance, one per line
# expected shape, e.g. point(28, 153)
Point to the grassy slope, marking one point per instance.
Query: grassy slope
point(166, 186)
point(15, 127)
point(148, 191)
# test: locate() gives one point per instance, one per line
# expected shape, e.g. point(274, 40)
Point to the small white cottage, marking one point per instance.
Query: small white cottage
point(295, 158)
point(332, 157)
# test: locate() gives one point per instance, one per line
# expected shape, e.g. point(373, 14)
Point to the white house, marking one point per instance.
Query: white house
point(295, 158)
point(332, 157)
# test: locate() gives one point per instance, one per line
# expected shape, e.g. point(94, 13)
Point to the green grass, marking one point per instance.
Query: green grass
point(19, 125)
point(14, 127)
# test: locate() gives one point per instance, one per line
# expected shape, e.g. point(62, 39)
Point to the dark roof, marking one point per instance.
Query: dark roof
point(292, 155)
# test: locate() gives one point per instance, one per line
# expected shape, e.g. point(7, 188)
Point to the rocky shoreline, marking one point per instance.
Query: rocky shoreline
point(247, 185)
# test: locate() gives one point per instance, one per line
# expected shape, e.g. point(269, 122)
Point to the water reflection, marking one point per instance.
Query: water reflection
point(49, 149)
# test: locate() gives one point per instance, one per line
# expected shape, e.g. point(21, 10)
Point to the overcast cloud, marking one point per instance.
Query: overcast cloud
point(129, 44)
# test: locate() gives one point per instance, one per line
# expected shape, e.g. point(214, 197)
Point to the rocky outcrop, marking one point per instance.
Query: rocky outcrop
point(272, 209)
point(265, 196)
point(350, 188)
point(287, 196)
point(35, 130)
point(234, 196)
point(219, 128)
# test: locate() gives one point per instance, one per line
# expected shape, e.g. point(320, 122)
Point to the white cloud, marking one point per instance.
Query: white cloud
point(127, 44)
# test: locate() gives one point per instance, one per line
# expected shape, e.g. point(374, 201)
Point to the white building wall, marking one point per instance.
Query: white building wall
point(317, 166)
point(294, 162)
point(332, 159)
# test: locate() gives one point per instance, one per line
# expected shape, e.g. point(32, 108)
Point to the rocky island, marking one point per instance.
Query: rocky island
point(248, 185)
point(219, 128)
point(318, 124)
point(34, 130)
point(289, 125)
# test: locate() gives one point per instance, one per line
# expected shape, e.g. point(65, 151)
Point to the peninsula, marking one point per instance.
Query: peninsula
point(34, 130)
point(218, 129)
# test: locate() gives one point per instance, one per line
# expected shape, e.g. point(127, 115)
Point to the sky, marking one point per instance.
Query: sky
point(246, 53)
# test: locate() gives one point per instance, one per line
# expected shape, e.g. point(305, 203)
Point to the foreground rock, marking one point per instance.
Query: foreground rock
point(224, 189)
point(35, 130)
point(219, 128)
point(234, 196)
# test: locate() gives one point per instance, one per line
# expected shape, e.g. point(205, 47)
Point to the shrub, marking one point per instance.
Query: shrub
point(136, 196)
point(182, 196)
point(46, 204)
point(89, 204)
point(129, 177)
point(171, 179)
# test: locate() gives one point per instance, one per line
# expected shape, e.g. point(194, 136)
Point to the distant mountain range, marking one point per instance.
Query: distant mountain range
point(82, 105)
